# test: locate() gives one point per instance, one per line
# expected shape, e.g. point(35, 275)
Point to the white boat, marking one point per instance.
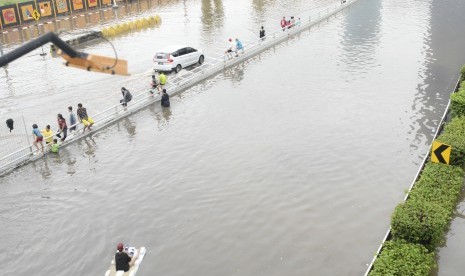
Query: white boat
point(138, 254)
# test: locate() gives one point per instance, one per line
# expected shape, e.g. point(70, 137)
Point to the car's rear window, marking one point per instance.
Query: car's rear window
point(162, 55)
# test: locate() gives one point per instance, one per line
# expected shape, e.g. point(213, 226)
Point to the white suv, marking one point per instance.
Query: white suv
point(177, 57)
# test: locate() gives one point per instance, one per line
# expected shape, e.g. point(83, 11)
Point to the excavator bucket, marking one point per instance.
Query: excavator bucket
point(97, 63)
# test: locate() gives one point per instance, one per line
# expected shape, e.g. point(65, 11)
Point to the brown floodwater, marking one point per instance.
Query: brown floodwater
point(290, 163)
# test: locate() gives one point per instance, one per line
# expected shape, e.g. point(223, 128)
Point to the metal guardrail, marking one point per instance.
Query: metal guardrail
point(388, 235)
point(178, 84)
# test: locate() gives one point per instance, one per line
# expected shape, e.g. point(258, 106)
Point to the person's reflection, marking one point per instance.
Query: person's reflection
point(90, 142)
point(186, 16)
point(115, 12)
point(41, 166)
point(69, 159)
point(166, 113)
point(163, 118)
point(130, 127)
point(9, 81)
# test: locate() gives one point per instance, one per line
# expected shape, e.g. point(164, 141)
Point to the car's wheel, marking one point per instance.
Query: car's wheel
point(201, 59)
point(178, 68)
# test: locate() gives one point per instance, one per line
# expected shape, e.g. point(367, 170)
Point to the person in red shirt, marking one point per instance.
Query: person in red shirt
point(63, 127)
point(283, 23)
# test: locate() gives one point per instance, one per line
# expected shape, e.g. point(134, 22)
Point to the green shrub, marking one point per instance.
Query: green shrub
point(454, 135)
point(419, 221)
point(439, 184)
point(399, 258)
point(457, 101)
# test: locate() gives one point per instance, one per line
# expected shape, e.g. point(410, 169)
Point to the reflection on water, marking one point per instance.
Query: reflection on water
point(236, 73)
point(359, 39)
point(90, 146)
point(42, 168)
point(9, 83)
point(129, 125)
point(162, 116)
point(69, 159)
point(238, 166)
point(212, 16)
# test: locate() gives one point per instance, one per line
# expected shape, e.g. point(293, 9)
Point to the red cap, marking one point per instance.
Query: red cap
point(120, 246)
point(230, 39)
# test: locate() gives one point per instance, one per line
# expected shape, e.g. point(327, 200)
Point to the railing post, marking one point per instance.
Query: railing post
point(27, 136)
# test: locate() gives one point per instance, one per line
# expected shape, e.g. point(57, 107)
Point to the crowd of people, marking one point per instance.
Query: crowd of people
point(47, 135)
point(39, 136)
point(289, 23)
point(159, 80)
point(234, 47)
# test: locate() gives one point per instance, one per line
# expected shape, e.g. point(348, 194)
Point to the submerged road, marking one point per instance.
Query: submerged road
point(287, 164)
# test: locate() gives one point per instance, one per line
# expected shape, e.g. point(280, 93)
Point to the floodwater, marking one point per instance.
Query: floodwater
point(288, 164)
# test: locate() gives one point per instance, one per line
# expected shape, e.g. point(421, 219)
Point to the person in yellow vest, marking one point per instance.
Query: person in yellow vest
point(163, 80)
point(48, 135)
point(55, 146)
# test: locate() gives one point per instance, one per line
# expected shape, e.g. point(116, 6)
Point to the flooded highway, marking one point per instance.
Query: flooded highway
point(290, 163)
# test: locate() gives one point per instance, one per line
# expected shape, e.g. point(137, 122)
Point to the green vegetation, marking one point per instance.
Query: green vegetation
point(439, 184)
point(400, 258)
point(418, 225)
point(458, 100)
point(420, 222)
point(454, 134)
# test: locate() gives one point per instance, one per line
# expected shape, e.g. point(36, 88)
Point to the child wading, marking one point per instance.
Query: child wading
point(38, 137)
point(55, 146)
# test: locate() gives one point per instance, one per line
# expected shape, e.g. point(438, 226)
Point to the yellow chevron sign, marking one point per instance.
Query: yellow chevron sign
point(440, 153)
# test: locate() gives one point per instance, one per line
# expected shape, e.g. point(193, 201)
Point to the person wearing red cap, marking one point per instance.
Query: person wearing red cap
point(231, 49)
point(122, 259)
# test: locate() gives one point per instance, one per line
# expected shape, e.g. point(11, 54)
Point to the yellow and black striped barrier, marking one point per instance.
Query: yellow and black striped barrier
point(112, 31)
point(131, 26)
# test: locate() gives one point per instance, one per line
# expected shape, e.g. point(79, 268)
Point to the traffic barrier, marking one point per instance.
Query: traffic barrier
point(131, 26)
point(115, 30)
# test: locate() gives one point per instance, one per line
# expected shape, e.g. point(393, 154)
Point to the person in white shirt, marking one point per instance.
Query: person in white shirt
point(231, 49)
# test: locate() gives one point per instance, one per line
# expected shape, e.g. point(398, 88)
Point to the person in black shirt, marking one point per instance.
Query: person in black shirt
point(262, 33)
point(165, 99)
point(122, 259)
point(127, 97)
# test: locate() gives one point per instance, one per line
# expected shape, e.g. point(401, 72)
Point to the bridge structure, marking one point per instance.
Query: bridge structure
point(17, 157)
